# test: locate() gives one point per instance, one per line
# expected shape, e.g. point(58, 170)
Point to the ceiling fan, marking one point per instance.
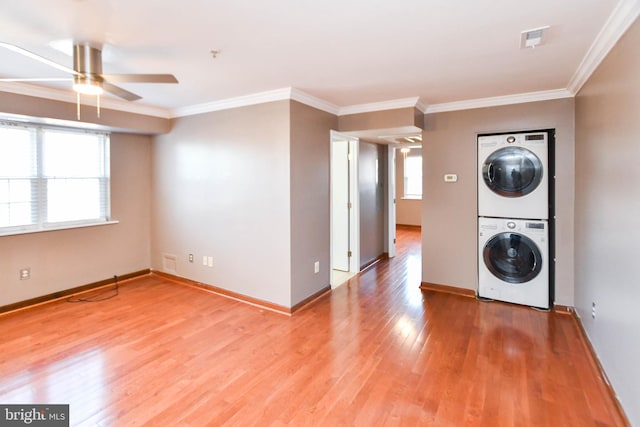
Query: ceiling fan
point(87, 73)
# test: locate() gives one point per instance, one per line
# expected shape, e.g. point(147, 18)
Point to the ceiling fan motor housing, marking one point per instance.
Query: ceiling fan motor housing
point(87, 61)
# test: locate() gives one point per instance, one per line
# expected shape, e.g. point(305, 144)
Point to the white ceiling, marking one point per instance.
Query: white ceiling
point(345, 52)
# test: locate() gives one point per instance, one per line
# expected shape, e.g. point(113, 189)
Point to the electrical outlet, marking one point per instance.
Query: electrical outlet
point(25, 273)
point(593, 310)
point(190, 257)
point(316, 267)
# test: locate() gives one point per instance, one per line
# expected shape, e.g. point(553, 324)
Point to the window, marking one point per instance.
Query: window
point(413, 173)
point(52, 178)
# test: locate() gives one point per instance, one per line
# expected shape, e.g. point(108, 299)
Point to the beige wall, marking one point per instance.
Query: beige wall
point(233, 185)
point(221, 188)
point(64, 259)
point(607, 215)
point(408, 211)
point(449, 210)
point(310, 215)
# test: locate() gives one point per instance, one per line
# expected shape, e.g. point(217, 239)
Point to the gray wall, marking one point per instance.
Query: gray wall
point(64, 259)
point(408, 211)
point(449, 210)
point(221, 188)
point(371, 184)
point(310, 229)
point(607, 214)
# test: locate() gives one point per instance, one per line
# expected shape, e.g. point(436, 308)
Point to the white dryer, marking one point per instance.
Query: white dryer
point(513, 177)
point(513, 264)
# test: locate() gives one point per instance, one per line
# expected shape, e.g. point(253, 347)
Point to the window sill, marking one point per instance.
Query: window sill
point(411, 198)
point(58, 228)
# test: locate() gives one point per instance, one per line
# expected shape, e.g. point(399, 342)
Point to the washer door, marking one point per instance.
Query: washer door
point(512, 257)
point(512, 171)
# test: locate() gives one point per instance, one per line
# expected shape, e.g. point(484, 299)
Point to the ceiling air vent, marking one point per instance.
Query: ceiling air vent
point(532, 38)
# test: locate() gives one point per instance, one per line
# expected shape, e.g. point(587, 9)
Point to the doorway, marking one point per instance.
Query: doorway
point(345, 233)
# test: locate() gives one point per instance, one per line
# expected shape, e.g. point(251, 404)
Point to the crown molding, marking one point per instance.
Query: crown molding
point(422, 106)
point(312, 101)
point(624, 14)
point(379, 106)
point(295, 95)
point(495, 101)
point(69, 96)
point(240, 101)
point(257, 98)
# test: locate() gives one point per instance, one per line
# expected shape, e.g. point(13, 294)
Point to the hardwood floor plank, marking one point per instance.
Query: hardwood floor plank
point(375, 351)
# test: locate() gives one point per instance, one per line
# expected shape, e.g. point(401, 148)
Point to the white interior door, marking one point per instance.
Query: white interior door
point(340, 230)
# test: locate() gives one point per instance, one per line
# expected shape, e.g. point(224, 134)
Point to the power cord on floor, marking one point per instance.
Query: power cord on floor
point(97, 297)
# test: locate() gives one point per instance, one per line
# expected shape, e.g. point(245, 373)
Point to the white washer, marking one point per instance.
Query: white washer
point(513, 180)
point(513, 260)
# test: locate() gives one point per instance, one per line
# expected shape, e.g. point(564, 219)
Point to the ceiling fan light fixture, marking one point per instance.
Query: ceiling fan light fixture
point(88, 88)
point(86, 85)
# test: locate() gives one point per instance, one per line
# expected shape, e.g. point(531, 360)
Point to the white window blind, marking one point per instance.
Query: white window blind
point(52, 178)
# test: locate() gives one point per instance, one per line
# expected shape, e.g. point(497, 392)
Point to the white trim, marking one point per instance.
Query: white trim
point(312, 101)
point(624, 14)
point(258, 98)
point(240, 101)
point(58, 228)
point(422, 106)
point(495, 101)
point(379, 106)
point(296, 95)
point(69, 96)
point(279, 95)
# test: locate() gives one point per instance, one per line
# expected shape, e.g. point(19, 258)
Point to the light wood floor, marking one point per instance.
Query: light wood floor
point(377, 351)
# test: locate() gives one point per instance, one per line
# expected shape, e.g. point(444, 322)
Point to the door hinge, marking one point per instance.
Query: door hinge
point(349, 254)
point(349, 205)
point(394, 241)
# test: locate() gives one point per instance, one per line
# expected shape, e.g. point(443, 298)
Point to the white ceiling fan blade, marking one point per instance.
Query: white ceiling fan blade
point(118, 91)
point(140, 78)
point(53, 79)
point(38, 58)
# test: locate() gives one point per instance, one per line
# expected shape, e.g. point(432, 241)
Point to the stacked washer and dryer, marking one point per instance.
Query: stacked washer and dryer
point(513, 218)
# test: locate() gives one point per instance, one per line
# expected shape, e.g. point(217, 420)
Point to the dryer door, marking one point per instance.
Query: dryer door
point(512, 257)
point(512, 171)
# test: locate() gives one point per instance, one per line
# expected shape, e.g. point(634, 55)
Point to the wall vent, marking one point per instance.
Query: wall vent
point(169, 263)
